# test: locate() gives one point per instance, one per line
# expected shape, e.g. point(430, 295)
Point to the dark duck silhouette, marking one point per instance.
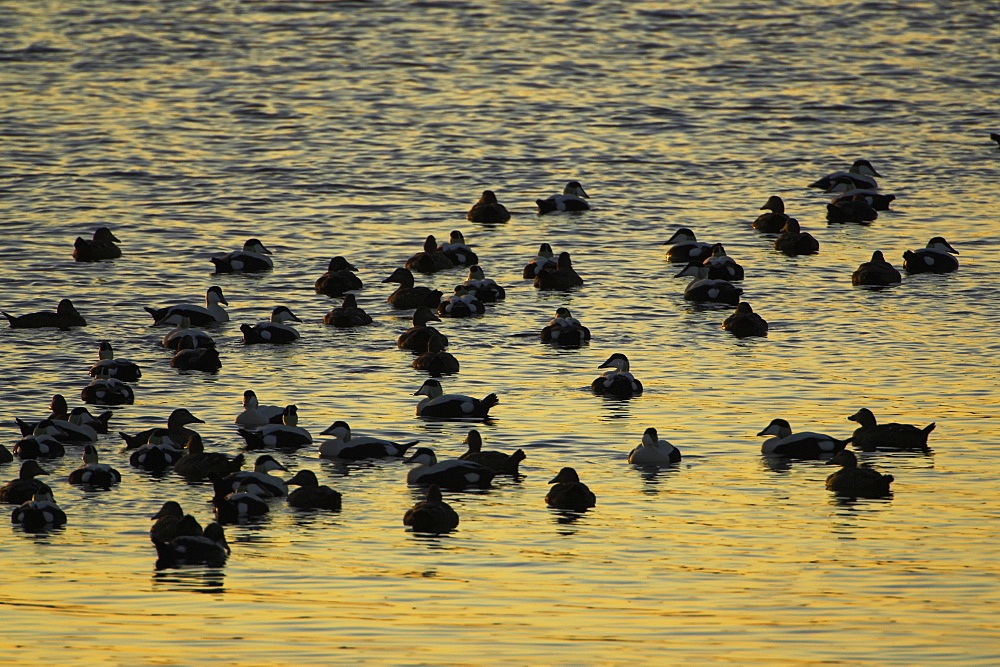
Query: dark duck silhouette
point(209, 549)
point(569, 493)
point(338, 279)
point(744, 322)
point(120, 369)
point(851, 209)
point(488, 209)
point(407, 296)
point(876, 272)
point(499, 462)
point(861, 174)
point(185, 338)
point(564, 329)
point(311, 494)
point(871, 435)
point(101, 246)
point(198, 359)
point(775, 219)
point(435, 360)
point(159, 453)
point(573, 198)
point(794, 241)
point(43, 443)
point(177, 431)
point(619, 381)
point(106, 390)
point(65, 316)
point(854, 482)
point(432, 514)
point(935, 258)
point(560, 277)
point(417, 337)
point(40, 513)
point(170, 522)
point(253, 258)
point(286, 435)
point(430, 259)
point(721, 266)
point(347, 314)
point(198, 464)
point(19, 491)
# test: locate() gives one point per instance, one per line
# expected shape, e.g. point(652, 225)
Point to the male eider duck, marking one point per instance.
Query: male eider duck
point(854, 482)
point(851, 209)
point(93, 473)
point(654, 452)
point(935, 258)
point(105, 390)
point(564, 329)
point(435, 360)
point(311, 495)
point(177, 431)
point(186, 338)
point(744, 322)
point(845, 190)
point(685, 247)
point(702, 288)
point(209, 549)
point(453, 474)
point(431, 515)
point(347, 314)
point(210, 314)
point(39, 513)
point(274, 331)
point(794, 241)
point(339, 278)
point(430, 259)
point(572, 199)
point(120, 369)
point(499, 462)
point(43, 443)
point(252, 259)
point(876, 272)
point(258, 481)
point(458, 251)
point(618, 381)
point(569, 493)
point(102, 246)
point(66, 316)
point(543, 259)
point(76, 429)
point(871, 435)
point(407, 296)
point(344, 446)
point(721, 266)
point(562, 276)
point(485, 289)
point(438, 405)
point(416, 337)
point(860, 173)
point(238, 505)
point(158, 454)
point(19, 491)
point(198, 464)
point(488, 209)
point(805, 445)
point(461, 304)
point(199, 359)
point(286, 435)
point(255, 414)
point(775, 219)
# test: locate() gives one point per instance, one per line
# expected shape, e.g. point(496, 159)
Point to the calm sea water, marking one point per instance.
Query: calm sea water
point(358, 128)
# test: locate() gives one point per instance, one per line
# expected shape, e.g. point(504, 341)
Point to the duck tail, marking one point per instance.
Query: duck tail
point(545, 205)
point(402, 447)
point(130, 441)
point(253, 438)
point(518, 456)
point(236, 463)
point(930, 427)
point(489, 401)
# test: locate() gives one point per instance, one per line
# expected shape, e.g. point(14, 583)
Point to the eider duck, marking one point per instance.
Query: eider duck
point(430, 259)
point(42, 443)
point(286, 435)
point(876, 272)
point(499, 462)
point(274, 331)
point(19, 491)
point(454, 474)
point(238, 505)
point(702, 288)
point(176, 431)
point(721, 266)
point(488, 209)
point(562, 276)
point(343, 446)
point(339, 278)
point(120, 369)
point(871, 435)
point(5, 455)
point(104, 390)
point(860, 173)
point(199, 359)
point(572, 199)
point(854, 482)
point(416, 337)
point(805, 445)
point(102, 246)
point(877, 200)
point(935, 258)
point(347, 314)
point(458, 251)
point(198, 464)
point(209, 549)
point(93, 473)
point(569, 493)
point(564, 329)
point(439, 405)
point(744, 322)
point(617, 382)
point(40, 513)
point(685, 247)
point(208, 315)
point(407, 296)
point(66, 316)
point(170, 522)
point(75, 430)
point(543, 259)
point(260, 481)
point(654, 452)
point(186, 338)
point(794, 241)
point(255, 414)
point(435, 360)
point(252, 259)
point(850, 209)
point(461, 304)
point(158, 454)
point(431, 515)
point(311, 495)
point(772, 222)
point(485, 289)
point(81, 417)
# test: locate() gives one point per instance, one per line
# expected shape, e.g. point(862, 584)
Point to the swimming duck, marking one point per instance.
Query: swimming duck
point(850, 209)
point(204, 359)
point(461, 304)
point(275, 331)
point(66, 316)
point(407, 296)
point(159, 453)
point(67, 431)
point(544, 258)
point(805, 445)
point(654, 452)
point(347, 314)
point(19, 491)
point(93, 473)
point(200, 316)
point(311, 495)
point(772, 222)
point(170, 522)
point(417, 337)
point(42, 443)
point(876, 272)
point(569, 493)
point(239, 505)
point(339, 278)
point(255, 414)
point(935, 258)
point(458, 251)
point(860, 173)
point(454, 474)
point(440, 405)
point(560, 277)
point(198, 464)
point(685, 247)
point(877, 200)
point(744, 322)
point(120, 369)
point(102, 246)
point(39, 513)
point(286, 435)
point(431, 515)
point(343, 446)
point(186, 338)
point(571, 199)
point(485, 289)
point(176, 432)
point(435, 360)
point(260, 481)
point(252, 259)
point(619, 381)
point(721, 266)
point(499, 462)
point(701, 288)
point(488, 209)
point(79, 418)
point(793, 241)
point(430, 259)
point(854, 482)
point(564, 329)
point(104, 390)
point(871, 435)
point(209, 549)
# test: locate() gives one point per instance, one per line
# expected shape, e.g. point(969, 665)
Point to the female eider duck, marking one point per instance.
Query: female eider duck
point(209, 549)
point(702, 288)
point(198, 464)
point(170, 522)
point(255, 414)
point(805, 445)
point(39, 513)
point(775, 219)
point(461, 304)
point(562, 276)
point(573, 198)
point(430, 259)
point(721, 266)
point(339, 278)
point(431, 515)
point(435, 360)
point(485, 289)
point(275, 331)
point(407, 296)
point(871, 435)
point(416, 337)
point(453, 474)
point(438, 405)
point(93, 473)
point(347, 314)
point(794, 241)
point(204, 359)
point(458, 251)
point(259, 481)
point(344, 446)
point(854, 482)
point(120, 369)
point(253, 258)
point(186, 338)
point(19, 491)
point(876, 272)
point(851, 209)
point(569, 493)
point(499, 462)
point(860, 173)
point(618, 381)
point(102, 246)
point(543, 259)
point(311, 495)
point(744, 322)
point(685, 247)
point(654, 452)
point(105, 390)
point(564, 329)
point(210, 314)
point(488, 209)
point(286, 435)
point(935, 258)
point(66, 316)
